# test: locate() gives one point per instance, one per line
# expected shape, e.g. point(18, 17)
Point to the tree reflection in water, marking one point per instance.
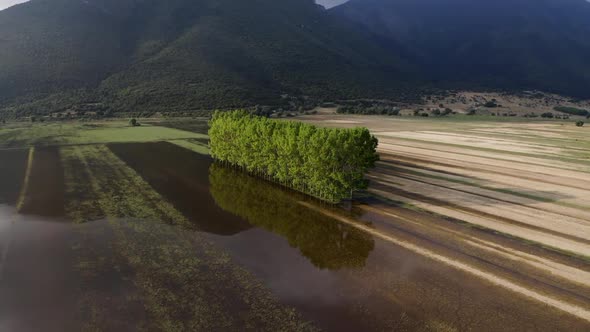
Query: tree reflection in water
point(327, 243)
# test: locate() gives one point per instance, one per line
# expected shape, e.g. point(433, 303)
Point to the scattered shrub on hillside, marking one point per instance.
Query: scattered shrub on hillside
point(580, 124)
point(491, 104)
point(547, 115)
point(134, 123)
point(471, 112)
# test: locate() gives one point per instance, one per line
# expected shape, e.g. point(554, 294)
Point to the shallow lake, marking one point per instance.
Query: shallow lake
point(268, 251)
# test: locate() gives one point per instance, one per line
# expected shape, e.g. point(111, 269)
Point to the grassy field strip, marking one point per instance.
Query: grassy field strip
point(506, 211)
point(579, 180)
point(577, 311)
point(496, 198)
point(141, 201)
point(555, 163)
point(23, 194)
point(130, 135)
point(75, 133)
point(573, 197)
point(540, 200)
point(544, 238)
point(193, 146)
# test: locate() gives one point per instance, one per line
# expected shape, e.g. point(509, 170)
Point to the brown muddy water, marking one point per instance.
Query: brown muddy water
point(115, 274)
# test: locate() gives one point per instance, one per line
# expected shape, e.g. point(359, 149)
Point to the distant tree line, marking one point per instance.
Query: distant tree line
point(372, 110)
point(326, 163)
point(572, 110)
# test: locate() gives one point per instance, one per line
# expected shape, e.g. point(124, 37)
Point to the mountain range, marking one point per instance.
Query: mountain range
point(183, 55)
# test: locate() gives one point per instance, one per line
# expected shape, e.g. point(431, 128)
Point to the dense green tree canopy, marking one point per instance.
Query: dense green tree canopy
point(327, 163)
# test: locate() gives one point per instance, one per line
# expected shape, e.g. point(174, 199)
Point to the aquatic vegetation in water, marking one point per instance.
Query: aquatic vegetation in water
point(185, 283)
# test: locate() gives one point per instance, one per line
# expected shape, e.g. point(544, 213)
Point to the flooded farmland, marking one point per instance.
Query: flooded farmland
point(152, 236)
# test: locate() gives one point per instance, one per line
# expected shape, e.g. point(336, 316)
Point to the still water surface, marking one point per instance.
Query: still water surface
point(60, 276)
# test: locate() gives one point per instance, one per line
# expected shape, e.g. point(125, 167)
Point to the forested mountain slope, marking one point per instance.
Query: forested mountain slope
point(506, 44)
point(47, 46)
point(183, 55)
point(186, 54)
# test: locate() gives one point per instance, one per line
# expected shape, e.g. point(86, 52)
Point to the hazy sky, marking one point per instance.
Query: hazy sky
point(326, 3)
point(7, 3)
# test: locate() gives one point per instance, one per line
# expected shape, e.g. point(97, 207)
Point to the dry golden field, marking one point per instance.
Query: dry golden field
point(506, 201)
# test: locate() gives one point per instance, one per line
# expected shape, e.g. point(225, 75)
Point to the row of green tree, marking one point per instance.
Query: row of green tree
point(326, 163)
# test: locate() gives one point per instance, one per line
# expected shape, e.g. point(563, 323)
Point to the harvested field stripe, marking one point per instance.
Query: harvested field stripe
point(492, 159)
point(533, 139)
point(498, 281)
point(557, 162)
point(23, 194)
point(529, 269)
point(576, 275)
point(543, 238)
point(577, 230)
point(482, 167)
point(579, 218)
point(579, 195)
point(566, 272)
point(410, 169)
point(479, 142)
